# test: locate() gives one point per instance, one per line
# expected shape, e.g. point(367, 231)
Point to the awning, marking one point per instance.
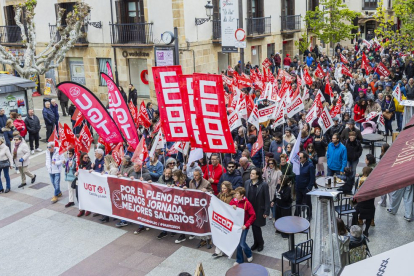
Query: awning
point(395, 170)
point(26, 85)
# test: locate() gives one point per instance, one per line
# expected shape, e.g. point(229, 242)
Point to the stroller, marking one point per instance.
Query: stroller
point(369, 127)
point(358, 250)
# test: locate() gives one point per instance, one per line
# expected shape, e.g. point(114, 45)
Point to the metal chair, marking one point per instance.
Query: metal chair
point(302, 252)
point(302, 210)
point(344, 208)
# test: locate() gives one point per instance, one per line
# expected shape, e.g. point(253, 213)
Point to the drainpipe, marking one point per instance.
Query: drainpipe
point(112, 41)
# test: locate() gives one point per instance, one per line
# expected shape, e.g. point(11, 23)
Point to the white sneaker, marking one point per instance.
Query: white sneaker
point(32, 152)
point(39, 149)
point(17, 171)
point(250, 259)
point(235, 263)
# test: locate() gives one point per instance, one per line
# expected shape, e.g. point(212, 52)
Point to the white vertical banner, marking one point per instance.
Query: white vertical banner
point(229, 16)
point(226, 225)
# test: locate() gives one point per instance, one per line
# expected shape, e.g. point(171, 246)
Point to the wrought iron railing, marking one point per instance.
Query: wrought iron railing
point(216, 29)
point(131, 33)
point(258, 26)
point(55, 35)
point(10, 34)
point(291, 22)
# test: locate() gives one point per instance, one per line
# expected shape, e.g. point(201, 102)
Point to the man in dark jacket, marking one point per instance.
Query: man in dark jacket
point(141, 173)
point(257, 192)
point(3, 119)
point(49, 118)
point(55, 108)
point(409, 70)
point(245, 168)
point(232, 175)
point(33, 127)
point(336, 128)
point(353, 151)
point(277, 146)
point(64, 100)
point(266, 139)
point(351, 127)
point(132, 95)
point(305, 180)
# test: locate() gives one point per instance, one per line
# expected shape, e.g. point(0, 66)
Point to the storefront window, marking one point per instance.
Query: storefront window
point(77, 71)
point(14, 102)
point(138, 76)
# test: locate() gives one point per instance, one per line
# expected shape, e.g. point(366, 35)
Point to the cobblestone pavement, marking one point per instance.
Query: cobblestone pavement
point(41, 238)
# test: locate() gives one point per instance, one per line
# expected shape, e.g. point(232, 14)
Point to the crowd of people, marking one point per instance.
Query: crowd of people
point(264, 185)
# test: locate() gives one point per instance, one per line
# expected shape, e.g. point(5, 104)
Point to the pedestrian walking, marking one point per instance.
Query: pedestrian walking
point(132, 94)
point(55, 108)
point(7, 131)
point(54, 162)
point(70, 170)
point(21, 154)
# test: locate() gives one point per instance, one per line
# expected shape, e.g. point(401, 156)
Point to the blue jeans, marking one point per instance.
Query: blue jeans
point(55, 179)
point(399, 116)
point(6, 175)
point(388, 127)
point(359, 125)
point(243, 247)
point(332, 172)
point(353, 165)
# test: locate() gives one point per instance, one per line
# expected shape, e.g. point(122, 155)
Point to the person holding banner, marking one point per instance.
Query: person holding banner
point(215, 171)
point(70, 169)
point(240, 201)
point(257, 192)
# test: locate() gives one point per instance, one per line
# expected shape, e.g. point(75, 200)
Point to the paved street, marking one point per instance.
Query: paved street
point(40, 238)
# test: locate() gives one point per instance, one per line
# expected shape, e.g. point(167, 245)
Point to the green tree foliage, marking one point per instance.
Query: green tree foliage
point(303, 42)
point(331, 21)
point(396, 39)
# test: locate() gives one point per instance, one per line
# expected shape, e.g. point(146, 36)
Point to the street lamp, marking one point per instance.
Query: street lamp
point(209, 12)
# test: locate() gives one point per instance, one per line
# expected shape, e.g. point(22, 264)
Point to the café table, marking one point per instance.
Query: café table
point(291, 225)
point(247, 269)
point(322, 183)
point(372, 138)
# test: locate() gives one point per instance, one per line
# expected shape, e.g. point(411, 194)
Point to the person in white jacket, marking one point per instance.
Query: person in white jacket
point(54, 163)
point(5, 157)
point(21, 154)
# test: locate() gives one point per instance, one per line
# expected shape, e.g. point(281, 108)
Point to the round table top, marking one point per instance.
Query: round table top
point(373, 137)
point(321, 182)
point(292, 224)
point(247, 269)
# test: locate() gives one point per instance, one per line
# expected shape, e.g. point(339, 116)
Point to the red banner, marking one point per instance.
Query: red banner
point(343, 59)
point(170, 103)
point(120, 113)
point(141, 152)
point(212, 114)
point(337, 108)
point(346, 71)
point(328, 90)
point(319, 72)
point(187, 95)
point(85, 139)
point(93, 111)
point(266, 63)
point(241, 81)
point(382, 70)
point(258, 144)
point(307, 77)
point(118, 153)
point(143, 118)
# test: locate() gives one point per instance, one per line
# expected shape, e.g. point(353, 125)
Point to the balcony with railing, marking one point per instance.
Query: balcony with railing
point(291, 23)
point(10, 35)
point(369, 4)
point(132, 33)
point(216, 30)
point(258, 27)
point(55, 35)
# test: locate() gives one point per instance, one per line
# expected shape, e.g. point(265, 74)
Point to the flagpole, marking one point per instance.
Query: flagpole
point(221, 161)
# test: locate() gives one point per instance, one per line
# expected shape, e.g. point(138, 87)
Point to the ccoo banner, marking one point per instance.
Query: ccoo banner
point(93, 111)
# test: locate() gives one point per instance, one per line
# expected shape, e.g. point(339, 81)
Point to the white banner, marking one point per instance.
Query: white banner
point(229, 16)
point(226, 225)
point(295, 106)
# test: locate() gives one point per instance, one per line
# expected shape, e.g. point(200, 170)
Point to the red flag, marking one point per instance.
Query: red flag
point(141, 152)
point(143, 117)
point(249, 105)
point(382, 70)
point(133, 111)
point(346, 71)
point(54, 137)
point(307, 77)
point(78, 118)
point(85, 139)
point(296, 93)
point(67, 138)
point(337, 108)
point(258, 145)
point(319, 72)
point(343, 59)
point(284, 88)
point(266, 63)
point(108, 147)
point(118, 153)
point(241, 81)
point(328, 89)
point(365, 63)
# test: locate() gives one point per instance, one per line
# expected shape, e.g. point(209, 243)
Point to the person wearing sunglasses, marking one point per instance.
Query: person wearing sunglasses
point(271, 175)
point(54, 162)
point(232, 175)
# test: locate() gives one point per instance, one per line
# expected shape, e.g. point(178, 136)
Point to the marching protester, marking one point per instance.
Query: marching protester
point(232, 175)
point(54, 164)
point(70, 170)
point(84, 164)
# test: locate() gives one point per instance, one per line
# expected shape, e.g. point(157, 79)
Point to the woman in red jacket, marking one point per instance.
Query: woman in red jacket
point(359, 111)
point(20, 125)
point(241, 201)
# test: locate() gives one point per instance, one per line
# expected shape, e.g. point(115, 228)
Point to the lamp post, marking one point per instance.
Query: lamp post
point(209, 12)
